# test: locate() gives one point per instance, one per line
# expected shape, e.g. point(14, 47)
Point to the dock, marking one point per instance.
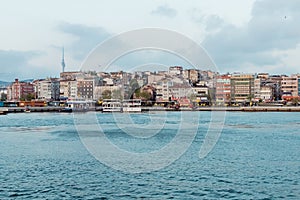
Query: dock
point(231, 109)
point(5, 110)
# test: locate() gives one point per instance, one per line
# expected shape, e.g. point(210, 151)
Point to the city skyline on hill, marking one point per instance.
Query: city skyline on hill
point(249, 36)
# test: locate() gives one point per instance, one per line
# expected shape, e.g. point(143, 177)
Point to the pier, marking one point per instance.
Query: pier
point(5, 110)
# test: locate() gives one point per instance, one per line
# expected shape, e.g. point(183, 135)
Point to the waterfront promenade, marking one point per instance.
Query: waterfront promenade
point(5, 110)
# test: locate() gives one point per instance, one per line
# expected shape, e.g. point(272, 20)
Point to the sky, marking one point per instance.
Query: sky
point(240, 36)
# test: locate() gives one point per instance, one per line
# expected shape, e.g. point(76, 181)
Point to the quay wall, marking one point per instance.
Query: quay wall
point(147, 109)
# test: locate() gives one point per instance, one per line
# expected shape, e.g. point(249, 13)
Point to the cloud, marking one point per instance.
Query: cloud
point(272, 28)
point(86, 38)
point(165, 11)
point(214, 22)
point(16, 64)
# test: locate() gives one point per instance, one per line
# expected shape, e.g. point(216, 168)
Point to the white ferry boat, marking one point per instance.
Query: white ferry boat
point(78, 105)
point(132, 105)
point(112, 105)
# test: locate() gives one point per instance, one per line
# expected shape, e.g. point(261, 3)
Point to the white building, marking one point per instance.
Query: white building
point(175, 71)
point(68, 89)
point(266, 93)
point(169, 88)
point(47, 89)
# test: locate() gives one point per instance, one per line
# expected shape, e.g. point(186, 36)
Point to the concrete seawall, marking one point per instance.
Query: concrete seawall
point(232, 109)
point(5, 110)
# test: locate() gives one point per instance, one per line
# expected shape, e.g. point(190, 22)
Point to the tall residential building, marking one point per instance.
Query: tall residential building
point(223, 89)
point(275, 80)
point(172, 88)
point(193, 75)
point(68, 89)
point(242, 87)
point(19, 90)
point(257, 88)
point(47, 89)
point(266, 93)
point(85, 88)
point(289, 86)
point(68, 84)
point(201, 91)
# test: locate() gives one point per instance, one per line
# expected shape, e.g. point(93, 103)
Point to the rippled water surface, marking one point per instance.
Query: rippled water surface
point(256, 157)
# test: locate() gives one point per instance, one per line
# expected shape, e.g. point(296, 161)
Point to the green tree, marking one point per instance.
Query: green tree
point(145, 95)
point(133, 86)
point(29, 97)
point(106, 94)
point(116, 94)
point(23, 98)
point(142, 95)
point(192, 97)
point(295, 101)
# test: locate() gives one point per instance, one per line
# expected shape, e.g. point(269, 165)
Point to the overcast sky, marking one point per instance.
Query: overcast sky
point(245, 36)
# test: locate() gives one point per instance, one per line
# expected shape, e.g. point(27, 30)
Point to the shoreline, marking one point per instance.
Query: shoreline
point(6, 110)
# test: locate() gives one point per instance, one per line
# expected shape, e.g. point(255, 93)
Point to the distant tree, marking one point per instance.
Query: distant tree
point(192, 97)
point(22, 98)
point(106, 94)
point(29, 97)
point(144, 95)
point(295, 101)
point(116, 94)
point(133, 86)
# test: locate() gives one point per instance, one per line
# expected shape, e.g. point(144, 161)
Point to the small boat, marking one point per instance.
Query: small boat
point(2, 113)
point(27, 110)
point(78, 105)
point(66, 110)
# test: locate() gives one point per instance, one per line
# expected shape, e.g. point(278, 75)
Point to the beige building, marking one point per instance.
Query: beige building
point(193, 75)
point(175, 71)
point(172, 87)
point(242, 87)
point(68, 89)
point(47, 89)
point(289, 86)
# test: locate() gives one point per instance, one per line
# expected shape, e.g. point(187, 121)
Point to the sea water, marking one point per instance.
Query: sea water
point(257, 156)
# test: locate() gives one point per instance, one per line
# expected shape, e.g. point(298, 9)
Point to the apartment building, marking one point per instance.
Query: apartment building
point(85, 88)
point(47, 89)
point(242, 87)
point(19, 90)
point(289, 87)
point(223, 89)
point(175, 71)
point(68, 89)
point(266, 93)
point(193, 75)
